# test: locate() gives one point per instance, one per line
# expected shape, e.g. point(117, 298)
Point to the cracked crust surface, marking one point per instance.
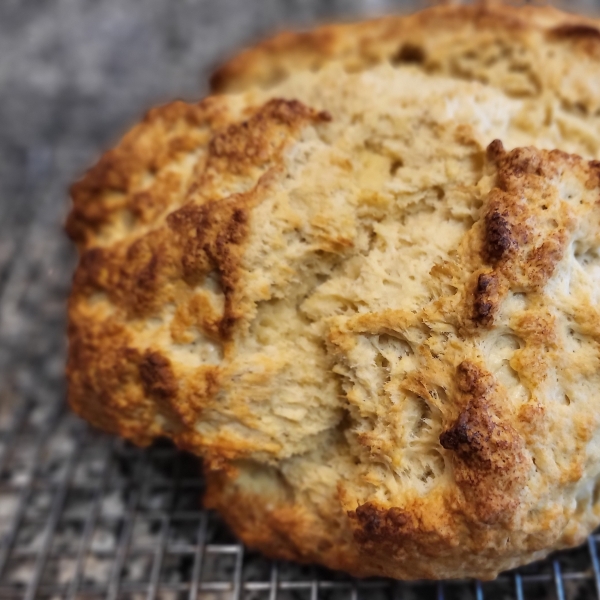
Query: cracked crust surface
point(365, 289)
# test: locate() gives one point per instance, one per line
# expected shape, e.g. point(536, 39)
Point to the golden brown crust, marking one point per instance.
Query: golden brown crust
point(490, 463)
point(136, 275)
point(164, 134)
point(113, 381)
point(157, 376)
point(285, 528)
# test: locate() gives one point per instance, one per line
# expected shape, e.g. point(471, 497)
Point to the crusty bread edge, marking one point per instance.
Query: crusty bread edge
point(361, 44)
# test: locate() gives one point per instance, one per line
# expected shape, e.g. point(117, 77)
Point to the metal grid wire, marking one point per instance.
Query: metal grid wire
point(87, 516)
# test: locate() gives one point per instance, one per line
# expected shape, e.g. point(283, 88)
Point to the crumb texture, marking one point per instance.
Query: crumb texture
point(364, 286)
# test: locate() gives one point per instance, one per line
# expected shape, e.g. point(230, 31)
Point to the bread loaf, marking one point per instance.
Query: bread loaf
point(362, 281)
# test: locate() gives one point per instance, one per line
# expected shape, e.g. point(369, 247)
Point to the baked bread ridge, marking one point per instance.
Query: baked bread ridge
point(461, 41)
point(349, 310)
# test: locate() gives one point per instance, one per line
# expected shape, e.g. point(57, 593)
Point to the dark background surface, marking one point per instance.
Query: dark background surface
point(74, 74)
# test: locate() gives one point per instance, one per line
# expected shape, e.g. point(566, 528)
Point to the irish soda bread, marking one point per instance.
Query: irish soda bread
point(363, 284)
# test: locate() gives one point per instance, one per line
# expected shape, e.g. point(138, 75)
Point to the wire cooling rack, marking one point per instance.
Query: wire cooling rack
point(84, 516)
